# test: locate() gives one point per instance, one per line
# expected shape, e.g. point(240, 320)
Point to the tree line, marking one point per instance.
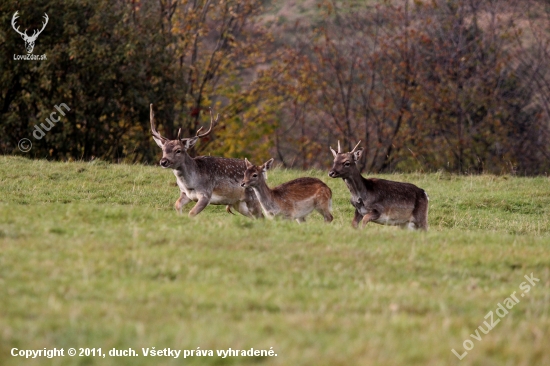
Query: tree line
point(456, 85)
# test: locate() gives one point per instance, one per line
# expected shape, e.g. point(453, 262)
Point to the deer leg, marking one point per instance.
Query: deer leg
point(371, 216)
point(420, 213)
point(256, 210)
point(300, 220)
point(201, 204)
point(328, 216)
point(356, 219)
point(242, 208)
point(182, 201)
point(324, 209)
point(252, 204)
point(326, 213)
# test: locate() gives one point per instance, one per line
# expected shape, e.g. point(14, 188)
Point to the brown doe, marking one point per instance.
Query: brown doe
point(205, 179)
point(291, 200)
point(378, 200)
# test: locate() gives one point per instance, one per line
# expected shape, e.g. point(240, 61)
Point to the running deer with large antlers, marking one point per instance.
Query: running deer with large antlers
point(29, 40)
point(291, 200)
point(205, 179)
point(378, 200)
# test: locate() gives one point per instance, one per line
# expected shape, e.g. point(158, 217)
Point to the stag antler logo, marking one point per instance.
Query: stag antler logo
point(29, 41)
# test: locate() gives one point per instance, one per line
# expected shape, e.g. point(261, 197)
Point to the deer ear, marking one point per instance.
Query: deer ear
point(160, 142)
point(188, 143)
point(268, 164)
point(357, 154)
point(248, 164)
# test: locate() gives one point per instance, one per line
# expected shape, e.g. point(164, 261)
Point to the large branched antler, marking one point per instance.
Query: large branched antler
point(153, 127)
point(212, 121)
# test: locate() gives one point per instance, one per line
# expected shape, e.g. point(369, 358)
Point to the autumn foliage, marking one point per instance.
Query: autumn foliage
point(426, 85)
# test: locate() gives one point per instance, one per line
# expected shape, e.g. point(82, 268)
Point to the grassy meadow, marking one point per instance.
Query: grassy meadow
point(93, 255)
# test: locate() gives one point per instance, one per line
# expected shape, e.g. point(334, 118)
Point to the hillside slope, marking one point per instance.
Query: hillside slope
point(93, 255)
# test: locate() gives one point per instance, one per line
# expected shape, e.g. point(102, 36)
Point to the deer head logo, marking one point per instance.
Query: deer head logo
point(29, 40)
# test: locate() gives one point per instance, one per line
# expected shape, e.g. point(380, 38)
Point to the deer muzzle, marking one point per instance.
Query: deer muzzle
point(333, 174)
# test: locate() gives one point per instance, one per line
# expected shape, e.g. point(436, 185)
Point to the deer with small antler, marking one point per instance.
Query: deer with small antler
point(205, 179)
point(29, 40)
point(378, 200)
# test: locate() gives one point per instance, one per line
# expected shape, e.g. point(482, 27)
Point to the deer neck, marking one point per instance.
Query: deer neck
point(187, 169)
point(355, 184)
point(266, 198)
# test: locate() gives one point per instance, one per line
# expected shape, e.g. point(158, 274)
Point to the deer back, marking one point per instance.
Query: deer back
point(292, 199)
point(392, 193)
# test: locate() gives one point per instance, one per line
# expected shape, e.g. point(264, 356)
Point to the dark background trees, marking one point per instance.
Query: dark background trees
point(449, 85)
point(108, 60)
point(104, 61)
point(456, 85)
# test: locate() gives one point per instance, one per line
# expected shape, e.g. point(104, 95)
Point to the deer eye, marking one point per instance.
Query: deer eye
point(346, 163)
point(178, 151)
point(254, 175)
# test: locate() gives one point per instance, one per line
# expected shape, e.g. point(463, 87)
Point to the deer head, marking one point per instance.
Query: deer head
point(255, 175)
point(344, 163)
point(29, 40)
point(174, 151)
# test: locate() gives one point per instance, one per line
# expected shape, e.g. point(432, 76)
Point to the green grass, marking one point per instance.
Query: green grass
point(93, 255)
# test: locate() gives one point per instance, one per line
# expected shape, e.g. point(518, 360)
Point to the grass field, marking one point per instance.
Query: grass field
point(93, 255)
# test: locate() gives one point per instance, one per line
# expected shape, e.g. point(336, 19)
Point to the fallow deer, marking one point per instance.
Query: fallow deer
point(291, 200)
point(205, 179)
point(378, 200)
